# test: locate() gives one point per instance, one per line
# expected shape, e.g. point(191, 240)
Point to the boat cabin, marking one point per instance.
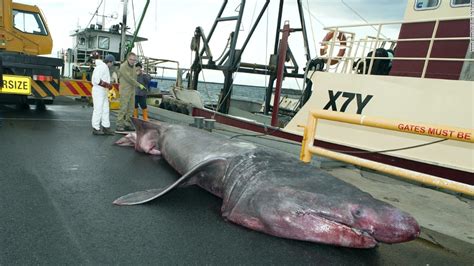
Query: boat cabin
point(443, 38)
point(95, 42)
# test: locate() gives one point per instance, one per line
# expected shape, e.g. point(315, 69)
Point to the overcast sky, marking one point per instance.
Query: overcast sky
point(169, 24)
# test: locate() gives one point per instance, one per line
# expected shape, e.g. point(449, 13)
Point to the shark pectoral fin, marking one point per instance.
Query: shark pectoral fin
point(141, 197)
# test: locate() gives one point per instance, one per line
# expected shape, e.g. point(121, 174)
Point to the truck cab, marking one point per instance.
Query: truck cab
point(24, 30)
point(24, 36)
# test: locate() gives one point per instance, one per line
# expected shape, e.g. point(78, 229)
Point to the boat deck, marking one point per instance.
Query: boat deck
point(58, 181)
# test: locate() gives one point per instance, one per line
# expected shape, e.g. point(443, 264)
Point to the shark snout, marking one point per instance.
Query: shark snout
point(398, 227)
point(390, 225)
point(384, 223)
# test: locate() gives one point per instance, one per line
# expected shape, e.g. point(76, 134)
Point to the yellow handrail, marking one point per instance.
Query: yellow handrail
point(453, 133)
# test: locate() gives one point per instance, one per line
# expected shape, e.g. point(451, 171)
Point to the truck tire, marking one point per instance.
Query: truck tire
point(40, 105)
point(23, 104)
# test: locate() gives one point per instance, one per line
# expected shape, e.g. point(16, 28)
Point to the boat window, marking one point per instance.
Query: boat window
point(29, 22)
point(104, 42)
point(82, 41)
point(426, 4)
point(458, 3)
point(92, 42)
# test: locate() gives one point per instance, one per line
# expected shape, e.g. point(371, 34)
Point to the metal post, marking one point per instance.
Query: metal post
point(269, 91)
point(331, 45)
point(375, 50)
point(308, 139)
point(1, 72)
point(303, 27)
point(231, 67)
point(275, 51)
point(255, 25)
point(124, 30)
point(215, 24)
point(280, 69)
point(277, 33)
point(428, 54)
point(103, 16)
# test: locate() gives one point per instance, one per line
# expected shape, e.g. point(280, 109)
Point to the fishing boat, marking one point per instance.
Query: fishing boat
point(418, 71)
point(96, 40)
point(422, 77)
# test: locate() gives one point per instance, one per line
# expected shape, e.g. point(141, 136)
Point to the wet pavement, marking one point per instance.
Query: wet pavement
point(58, 181)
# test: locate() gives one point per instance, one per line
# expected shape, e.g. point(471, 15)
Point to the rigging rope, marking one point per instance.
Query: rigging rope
point(266, 57)
point(360, 16)
point(311, 24)
point(139, 45)
point(95, 13)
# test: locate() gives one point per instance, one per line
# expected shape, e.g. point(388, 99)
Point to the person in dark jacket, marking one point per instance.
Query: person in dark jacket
point(141, 92)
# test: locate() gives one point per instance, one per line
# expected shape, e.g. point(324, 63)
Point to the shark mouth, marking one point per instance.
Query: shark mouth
point(307, 227)
point(336, 233)
point(329, 230)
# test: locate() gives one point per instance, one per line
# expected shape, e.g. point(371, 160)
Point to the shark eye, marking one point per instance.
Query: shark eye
point(357, 213)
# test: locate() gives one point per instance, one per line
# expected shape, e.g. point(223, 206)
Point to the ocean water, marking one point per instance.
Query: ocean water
point(210, 91)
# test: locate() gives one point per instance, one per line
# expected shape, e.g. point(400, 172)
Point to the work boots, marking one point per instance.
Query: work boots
point(97, 132)
point(103, 131)
point(108, 131)
point(126, 129)
point(145, 114)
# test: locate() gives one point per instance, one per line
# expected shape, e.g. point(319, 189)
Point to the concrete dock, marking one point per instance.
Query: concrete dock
point(58, 181)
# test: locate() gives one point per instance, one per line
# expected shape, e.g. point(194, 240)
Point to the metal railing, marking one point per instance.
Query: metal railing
point(453, 133)
point(356, 49)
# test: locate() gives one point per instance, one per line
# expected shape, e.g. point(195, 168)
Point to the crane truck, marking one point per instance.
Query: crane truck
point(27, 76)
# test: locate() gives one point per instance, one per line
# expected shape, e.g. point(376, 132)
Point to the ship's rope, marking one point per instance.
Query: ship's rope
point(95, 13)
point(311, 25)
point(361, 17)
point(225, 49)
point(392, 150)
point(204, 81)
point(269, 133)
point(266, 55)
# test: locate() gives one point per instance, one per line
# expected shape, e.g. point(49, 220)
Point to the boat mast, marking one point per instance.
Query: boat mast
point(124, 31)
point(103, 16)
point(132, 44)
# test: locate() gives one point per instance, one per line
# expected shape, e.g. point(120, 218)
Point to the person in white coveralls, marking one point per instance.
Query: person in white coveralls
point(100, 89)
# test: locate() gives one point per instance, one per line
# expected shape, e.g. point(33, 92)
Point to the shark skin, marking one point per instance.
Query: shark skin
point(271, 191)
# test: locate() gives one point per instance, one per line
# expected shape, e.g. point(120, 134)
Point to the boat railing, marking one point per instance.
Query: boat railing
point(157, 67)
point(357, 50)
